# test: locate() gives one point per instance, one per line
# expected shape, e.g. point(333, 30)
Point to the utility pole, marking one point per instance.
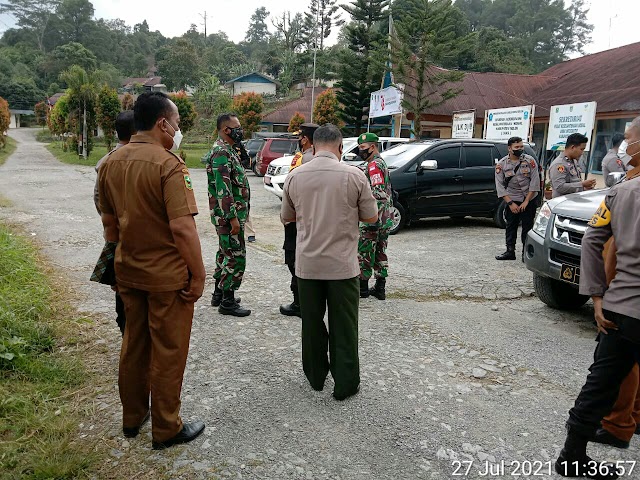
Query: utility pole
point(315, 55)
point(204, 18)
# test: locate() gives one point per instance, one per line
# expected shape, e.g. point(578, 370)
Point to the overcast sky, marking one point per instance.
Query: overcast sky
point(615, 21)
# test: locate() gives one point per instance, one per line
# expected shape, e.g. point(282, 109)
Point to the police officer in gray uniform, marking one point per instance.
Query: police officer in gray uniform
point(517, 183)
point(565, 172)
point(613, 162)
point(617, 313)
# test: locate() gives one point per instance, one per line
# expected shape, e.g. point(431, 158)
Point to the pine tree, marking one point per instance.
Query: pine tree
point(323, 14)
point(359, 75)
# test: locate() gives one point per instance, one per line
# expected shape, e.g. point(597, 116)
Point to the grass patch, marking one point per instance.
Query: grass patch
point(45, 136)
point(5, 202)
point(38, 418)
point(9, 147)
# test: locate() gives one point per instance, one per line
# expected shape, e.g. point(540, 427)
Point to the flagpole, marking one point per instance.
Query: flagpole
point(315, 54)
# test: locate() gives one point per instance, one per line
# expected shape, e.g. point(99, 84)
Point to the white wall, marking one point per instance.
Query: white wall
point(14, 121)
point(260, 88)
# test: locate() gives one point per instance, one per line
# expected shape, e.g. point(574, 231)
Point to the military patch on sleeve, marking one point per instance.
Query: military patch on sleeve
point(602, 217)
point(561, 169)
point(188, 183)
point(619, 162)
point(532, 163)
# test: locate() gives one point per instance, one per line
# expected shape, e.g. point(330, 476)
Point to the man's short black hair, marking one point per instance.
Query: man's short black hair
point(513, 140)
point(125, 126)
point(149, 107)
point(617, 139)
point(225, 117)
point(575, 140)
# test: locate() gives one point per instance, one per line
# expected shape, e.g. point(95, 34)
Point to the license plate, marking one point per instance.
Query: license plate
point(570, 274)
point(267, 180)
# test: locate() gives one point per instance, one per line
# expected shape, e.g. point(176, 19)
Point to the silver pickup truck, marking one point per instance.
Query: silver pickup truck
point(552, 251)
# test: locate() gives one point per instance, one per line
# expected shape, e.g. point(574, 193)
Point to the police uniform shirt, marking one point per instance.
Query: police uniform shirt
point(565, 176)
point(618, 216)
point(525, 180)
point(146, 186)
point(611, 163)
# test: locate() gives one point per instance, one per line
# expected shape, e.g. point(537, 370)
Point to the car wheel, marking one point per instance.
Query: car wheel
point(398, 217)
point(256, 170)
point(500, 215)
point(557, 294)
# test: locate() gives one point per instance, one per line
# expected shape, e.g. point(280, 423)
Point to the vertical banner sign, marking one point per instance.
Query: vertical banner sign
point(387, 101)
point(463, 124)
point(567, 119)
point(504, 123)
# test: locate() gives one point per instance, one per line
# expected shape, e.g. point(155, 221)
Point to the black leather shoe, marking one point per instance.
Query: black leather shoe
point(216, 299)
point(230, 306)
point(189, 432)
point(508, 255)
point(291, 310)
point(347, 395)
point(379, 289)
point(364, 288)
point(131, 432)
point(637, 430)
point(607, 438)
point(584, 467)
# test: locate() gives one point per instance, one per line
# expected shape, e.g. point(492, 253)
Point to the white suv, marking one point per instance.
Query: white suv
point(279, 168)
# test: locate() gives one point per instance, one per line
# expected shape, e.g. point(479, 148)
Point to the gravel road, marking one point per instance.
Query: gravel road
point(461, 363)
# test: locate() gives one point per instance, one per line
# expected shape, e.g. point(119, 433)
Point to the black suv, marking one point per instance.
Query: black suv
point(440, 178)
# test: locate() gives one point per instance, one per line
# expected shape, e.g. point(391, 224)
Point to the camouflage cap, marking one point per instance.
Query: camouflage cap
point(368, 138)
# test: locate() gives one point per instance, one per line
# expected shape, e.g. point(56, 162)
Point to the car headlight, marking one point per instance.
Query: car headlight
point(284, 170)
point(542, 220)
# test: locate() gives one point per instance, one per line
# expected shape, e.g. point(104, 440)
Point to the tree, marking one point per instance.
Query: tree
point(5, 120)
point(258, 32)
point(75, 20)
point(248, 107)
point(576, 33)
point(41, 110)
point(358, 75)
point(185, 109)
point(326, 109)
point(319, 19)
point(211, 98)
point(181, 67)
point(58, 119)
point(107, 110)
point(495, 52)
point(82, 92)
point(21, 95)
point(32, 15)
point(289, 30)
point(127, 102)
point(295, 122)
point(65, 56)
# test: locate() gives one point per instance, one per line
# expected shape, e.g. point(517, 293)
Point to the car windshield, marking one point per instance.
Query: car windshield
point(403, 153)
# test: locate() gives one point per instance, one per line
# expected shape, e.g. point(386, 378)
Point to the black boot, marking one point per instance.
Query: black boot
point(216, 297)
point(293, 309)
point(574, 462)
point(378, 289)
point(364, 288)
point(510, 254)
point(229, 306)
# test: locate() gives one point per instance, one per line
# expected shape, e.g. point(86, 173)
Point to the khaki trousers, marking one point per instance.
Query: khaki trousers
point(153, 358)
point(625, 415)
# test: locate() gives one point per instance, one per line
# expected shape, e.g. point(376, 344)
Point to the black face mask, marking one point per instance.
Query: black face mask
point(364, 154)
point(518, 153)
point(236, 134)
point(300, 147)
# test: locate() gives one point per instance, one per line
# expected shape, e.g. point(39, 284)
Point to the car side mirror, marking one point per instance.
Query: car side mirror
point(429, 165)
point(349, 157)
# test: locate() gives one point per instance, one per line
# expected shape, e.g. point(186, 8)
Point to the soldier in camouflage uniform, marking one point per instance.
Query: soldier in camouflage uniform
point(229, 208)
point(372, 247)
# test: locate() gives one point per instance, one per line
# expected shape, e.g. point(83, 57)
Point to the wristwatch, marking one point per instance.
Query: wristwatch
point(510, 203)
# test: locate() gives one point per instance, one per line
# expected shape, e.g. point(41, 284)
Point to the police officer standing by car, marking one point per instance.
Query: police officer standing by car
point(612, 161)
point(565, 172)
point(617, 314)
point(517, 183)
point(304, 155)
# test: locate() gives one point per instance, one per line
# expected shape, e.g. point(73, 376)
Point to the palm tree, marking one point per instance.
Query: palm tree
point(82, 88)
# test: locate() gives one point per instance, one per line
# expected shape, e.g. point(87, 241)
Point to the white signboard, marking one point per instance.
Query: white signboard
point(567, 119)
point(463, 124)
point(387, 101)
point(504, 123)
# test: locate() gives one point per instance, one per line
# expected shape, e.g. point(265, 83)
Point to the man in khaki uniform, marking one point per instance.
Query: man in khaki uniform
point(147, 204)
point(327, 199)
point(565, 172)
point(612, 162)
point(617, 314)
